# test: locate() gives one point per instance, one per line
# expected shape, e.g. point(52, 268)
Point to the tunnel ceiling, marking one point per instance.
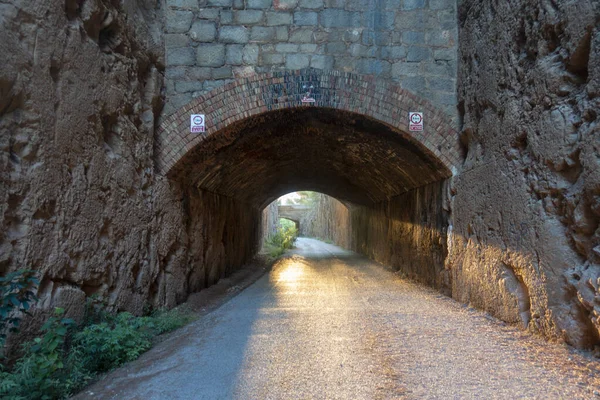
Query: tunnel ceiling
point(345, 155)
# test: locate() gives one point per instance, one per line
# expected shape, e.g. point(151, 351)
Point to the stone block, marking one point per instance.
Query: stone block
point(346, 64)
point(174, 40)
point(194, 73)
point(188, 86)
point(335, 3)
point(415, 84)
point(391, 4)
point(418, 54)
point(417, 20)
point(411, 37)
point(439, 38)
point(321, 62)
point(180, 56)
point(279, 18)
point(334, 18)
point(210, 55)
point(378, 20)
point(359, 5)
point(393, 52)
point(250, 54)
point(183, 4)
point(302, 35)
point(259, 4)
point(412, 4)
point(450, 99)
point(248, 17)
point(297, 61)
point(440, 68)
point(371, 66)
point(222, 73)
point(178, 21)
point(233, 34)
point(441, 84)
point(336, 48)
point(442, 4)
point(281, 33)
point(351, 35)
point(378, 38)
point(226, 17)
point(262, 34)
point(285, 4)
point(444, 55)
point(305, 18)
point(203, 31)
point(402, 68)
point(272, 58)
point(220, 3)
point(311, 4)
point(209, 13)
point(234, 54)
point(286, 48)
point(308, 48)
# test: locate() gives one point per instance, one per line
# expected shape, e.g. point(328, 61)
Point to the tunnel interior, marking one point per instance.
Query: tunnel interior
point(390, 185)
point(345, 155)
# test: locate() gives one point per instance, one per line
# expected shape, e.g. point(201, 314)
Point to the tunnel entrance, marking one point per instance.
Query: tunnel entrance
point(351, 143)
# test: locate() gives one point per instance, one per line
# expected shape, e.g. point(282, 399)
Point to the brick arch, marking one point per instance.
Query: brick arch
point(365, 95)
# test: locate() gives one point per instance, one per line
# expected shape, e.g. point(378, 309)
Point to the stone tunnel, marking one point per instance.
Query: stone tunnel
point(106, 191)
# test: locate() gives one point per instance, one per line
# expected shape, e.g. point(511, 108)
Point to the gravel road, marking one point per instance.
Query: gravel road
point(326, 323)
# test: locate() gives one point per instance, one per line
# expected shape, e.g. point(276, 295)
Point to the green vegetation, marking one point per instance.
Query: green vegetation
point(16, 297)
point(282, 240)
point(305, 198)
point(68, 356)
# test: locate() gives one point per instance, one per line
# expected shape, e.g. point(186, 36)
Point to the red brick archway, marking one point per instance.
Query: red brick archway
point(375, 98)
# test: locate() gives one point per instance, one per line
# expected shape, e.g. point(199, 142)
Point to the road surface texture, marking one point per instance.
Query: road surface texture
point(326, 323)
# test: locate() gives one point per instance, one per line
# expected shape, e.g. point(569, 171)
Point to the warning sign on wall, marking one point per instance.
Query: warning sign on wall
point(197, 123)
point(415, 121)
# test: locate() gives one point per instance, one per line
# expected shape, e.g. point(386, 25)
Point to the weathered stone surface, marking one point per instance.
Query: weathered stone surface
point(203, 31)
point(233, 34)
point(525, 209)
point(211, 55)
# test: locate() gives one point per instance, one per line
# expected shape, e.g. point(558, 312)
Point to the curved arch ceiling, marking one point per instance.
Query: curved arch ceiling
point(345, 155)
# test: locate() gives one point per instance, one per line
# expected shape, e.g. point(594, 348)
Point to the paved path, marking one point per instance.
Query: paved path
point(328, 324)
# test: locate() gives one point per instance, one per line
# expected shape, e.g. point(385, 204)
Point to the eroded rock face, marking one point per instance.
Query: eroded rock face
point(80, 90)
point(526, 210)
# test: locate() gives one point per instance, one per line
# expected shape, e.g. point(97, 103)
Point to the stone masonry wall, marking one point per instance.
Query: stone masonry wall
point(210, 42)
point(526, 207)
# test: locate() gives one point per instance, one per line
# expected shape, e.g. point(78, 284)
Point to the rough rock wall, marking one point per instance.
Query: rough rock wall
point(526, 211)
point(329, 219)
point(269, 222)
point(80, 89)
point(407, 233)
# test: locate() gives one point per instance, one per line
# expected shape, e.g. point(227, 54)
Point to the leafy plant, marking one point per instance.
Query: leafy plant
point(41, 373)
point(284, 239)
point(106, 345)
point(16, 298)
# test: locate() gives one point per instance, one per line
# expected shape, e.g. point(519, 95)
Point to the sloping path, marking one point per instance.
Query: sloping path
point(329, 324)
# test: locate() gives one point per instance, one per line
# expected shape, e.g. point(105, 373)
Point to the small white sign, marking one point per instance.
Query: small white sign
point(197, 123)
point(415, 121)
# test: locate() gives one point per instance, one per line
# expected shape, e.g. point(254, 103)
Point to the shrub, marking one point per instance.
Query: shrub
point(16, 297)
point(282, 240)
point(44, 371)
point(107, 345)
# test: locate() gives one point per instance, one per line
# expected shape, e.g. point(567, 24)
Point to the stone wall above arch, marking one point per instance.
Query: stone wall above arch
point(378, 100)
